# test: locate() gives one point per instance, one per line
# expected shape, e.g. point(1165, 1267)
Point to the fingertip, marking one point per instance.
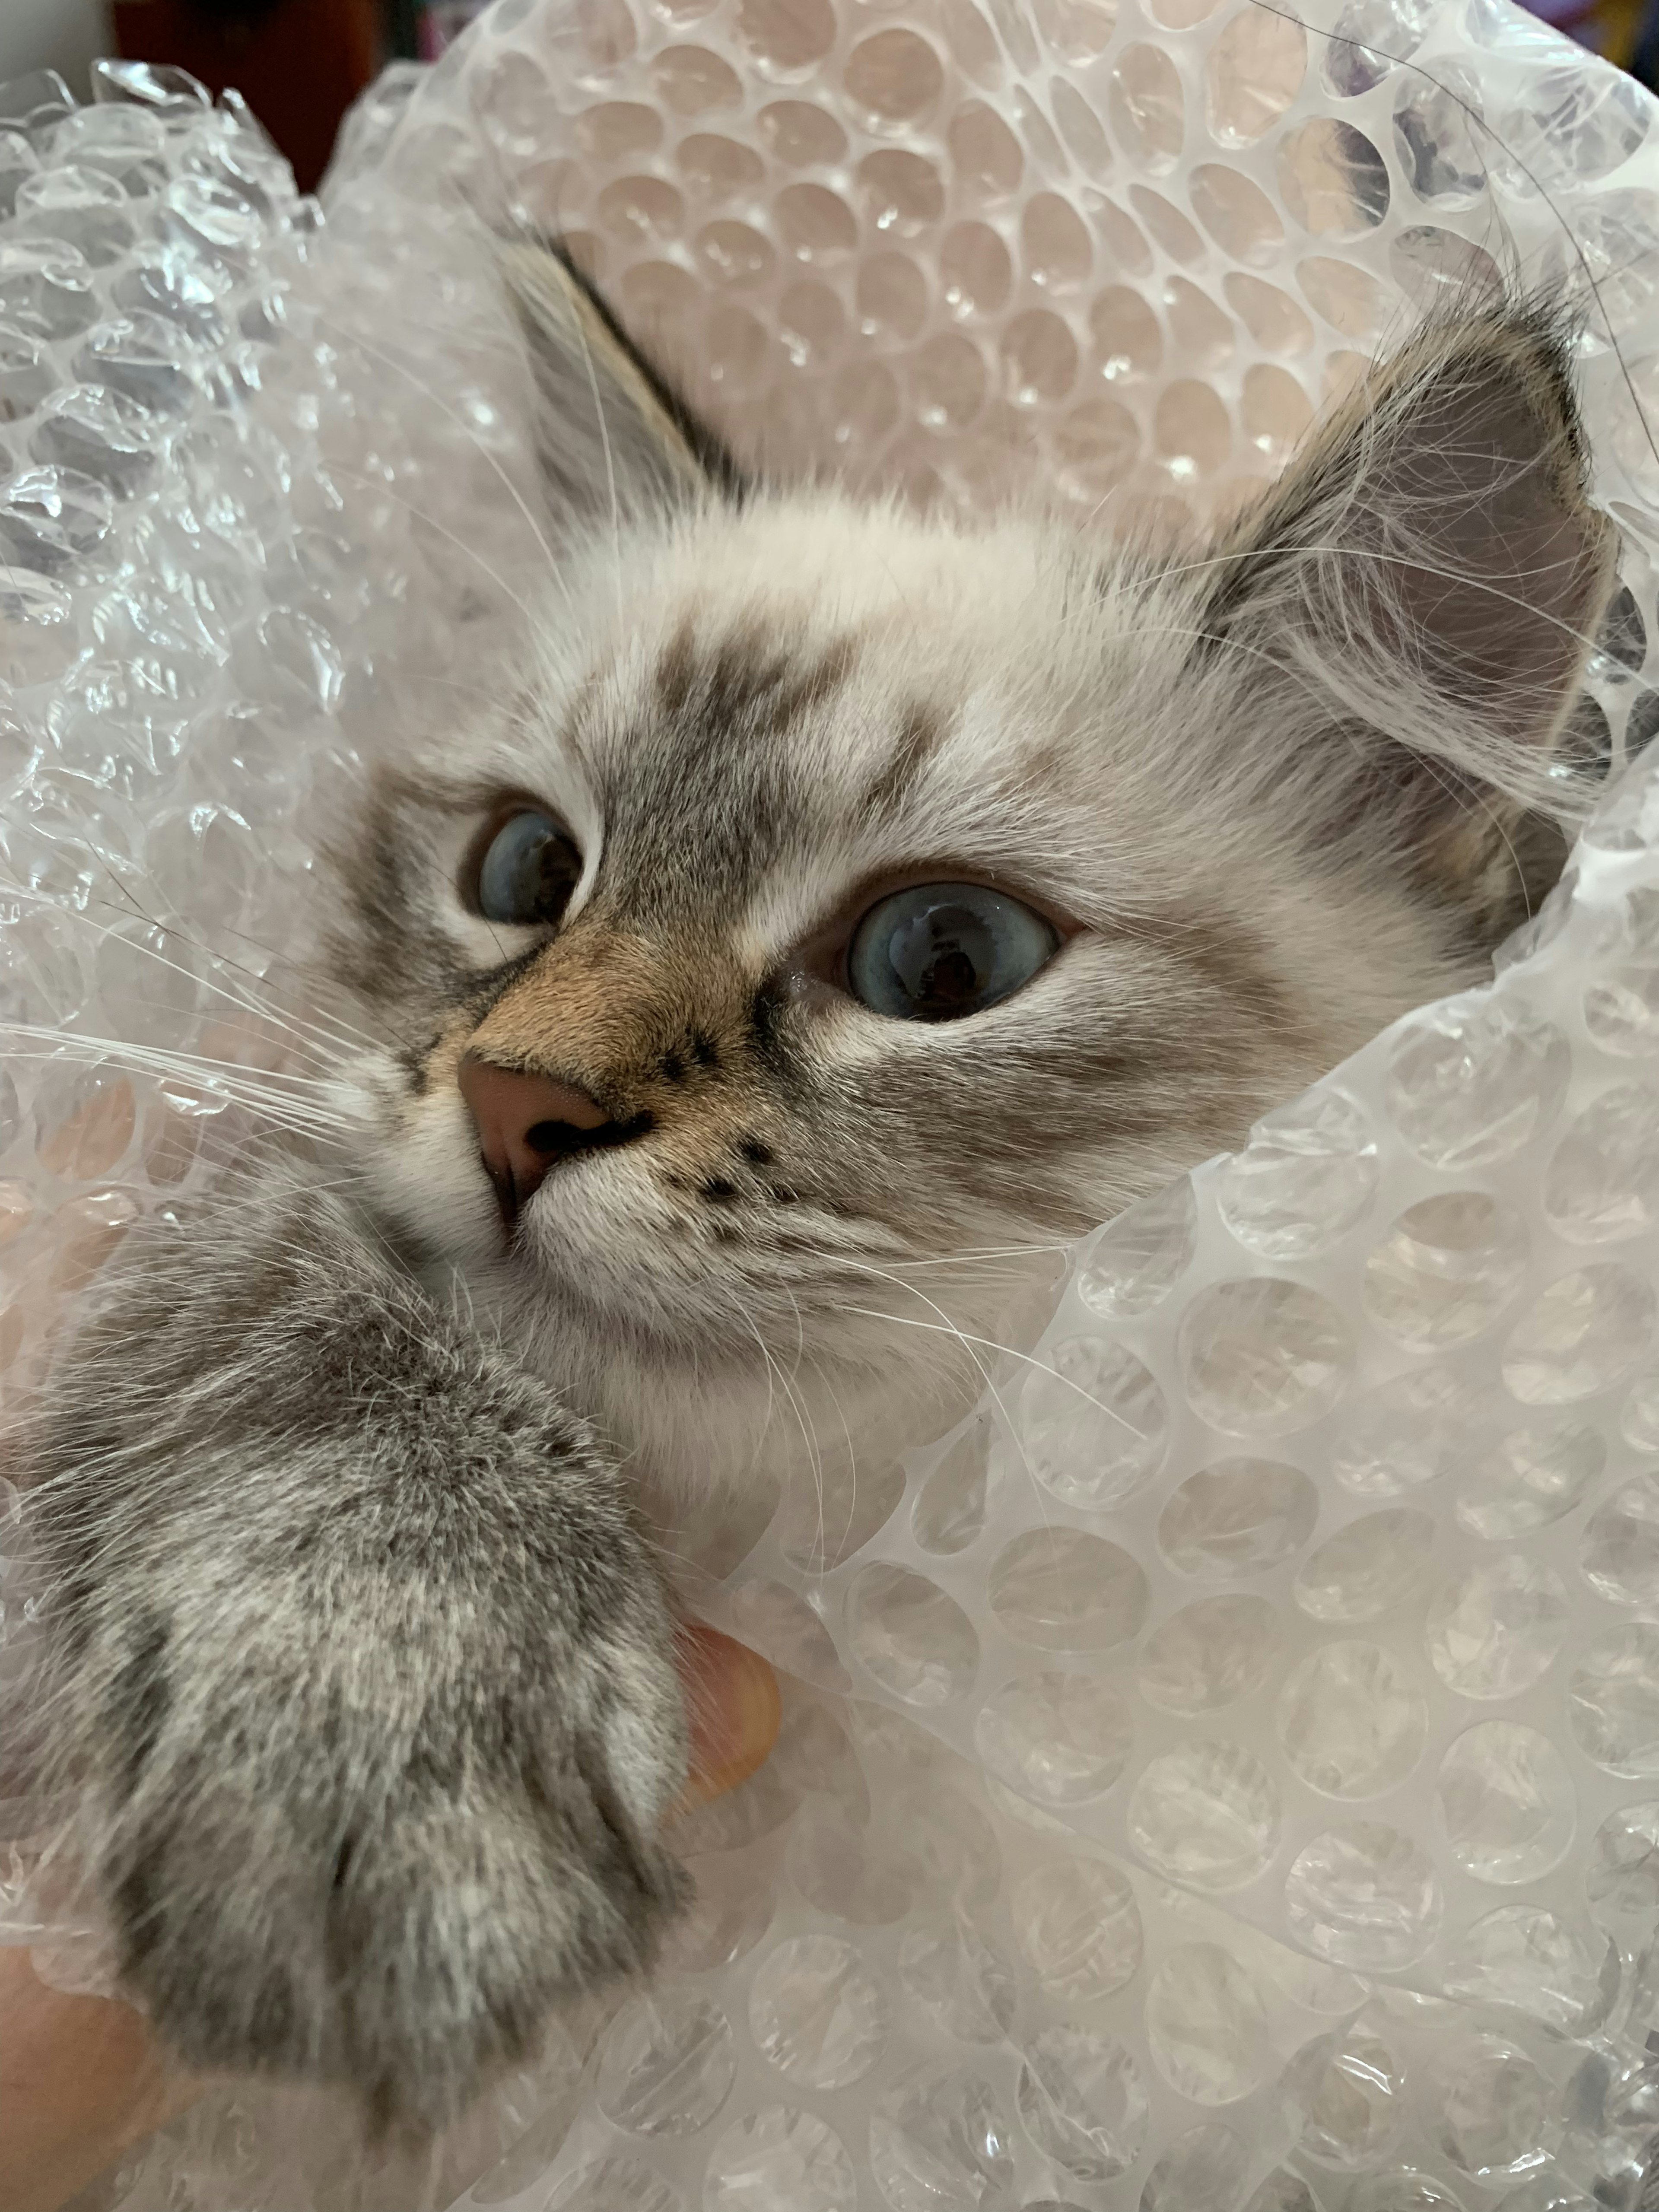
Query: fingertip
point(734, 1707)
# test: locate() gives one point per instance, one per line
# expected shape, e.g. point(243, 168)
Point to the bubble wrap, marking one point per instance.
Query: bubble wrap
point(1223, 1772)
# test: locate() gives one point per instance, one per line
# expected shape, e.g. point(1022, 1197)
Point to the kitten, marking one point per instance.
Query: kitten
point(833, 894)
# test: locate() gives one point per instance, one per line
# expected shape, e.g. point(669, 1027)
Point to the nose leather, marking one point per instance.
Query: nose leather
point(526, 1123)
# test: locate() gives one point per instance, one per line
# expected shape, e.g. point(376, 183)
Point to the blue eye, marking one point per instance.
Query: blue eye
point(528, 871)
point(941, 950)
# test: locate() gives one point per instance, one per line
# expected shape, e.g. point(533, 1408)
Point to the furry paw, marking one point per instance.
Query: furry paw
point(367, 1680)
point(319, 1879)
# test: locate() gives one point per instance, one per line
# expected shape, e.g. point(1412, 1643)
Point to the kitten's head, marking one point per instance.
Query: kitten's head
point(838, 893)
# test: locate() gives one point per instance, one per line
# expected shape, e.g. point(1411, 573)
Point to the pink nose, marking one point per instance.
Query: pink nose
point(527, 1123)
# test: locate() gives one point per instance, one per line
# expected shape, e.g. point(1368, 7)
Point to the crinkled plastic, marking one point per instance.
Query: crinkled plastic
point(1222, 1773)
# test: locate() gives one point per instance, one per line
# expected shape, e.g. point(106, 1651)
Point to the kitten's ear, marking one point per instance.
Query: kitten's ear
point(1429, 571)
point(612, 432)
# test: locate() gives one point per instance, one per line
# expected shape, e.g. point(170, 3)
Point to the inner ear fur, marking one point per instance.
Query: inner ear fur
point(1429, 570)
point(613, 432)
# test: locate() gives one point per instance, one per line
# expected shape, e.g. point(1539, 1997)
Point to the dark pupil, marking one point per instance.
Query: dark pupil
point(545, 878)
point(941, 958)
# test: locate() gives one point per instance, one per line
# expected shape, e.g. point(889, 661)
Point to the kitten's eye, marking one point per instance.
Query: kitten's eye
point(529, 869)
point(940, 950)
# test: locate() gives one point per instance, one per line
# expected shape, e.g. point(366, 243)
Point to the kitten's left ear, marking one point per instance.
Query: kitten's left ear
point(612, 432)
point(1429, 575)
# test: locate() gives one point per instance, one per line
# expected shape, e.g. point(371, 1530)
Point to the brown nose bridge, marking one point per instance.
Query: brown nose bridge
point(607, 1009)
point(581, 1014)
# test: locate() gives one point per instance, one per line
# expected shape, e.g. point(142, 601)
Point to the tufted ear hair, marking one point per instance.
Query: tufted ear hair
point(613, 434)
point(1421, 587)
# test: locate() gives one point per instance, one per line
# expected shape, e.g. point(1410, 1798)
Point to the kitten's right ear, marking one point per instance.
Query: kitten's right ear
point(613, 435)
point(1428, 575)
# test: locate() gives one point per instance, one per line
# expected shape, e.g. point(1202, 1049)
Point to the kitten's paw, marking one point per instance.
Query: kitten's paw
point(327, 1878)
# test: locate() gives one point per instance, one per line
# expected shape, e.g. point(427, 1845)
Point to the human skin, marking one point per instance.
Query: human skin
point(81, 2078)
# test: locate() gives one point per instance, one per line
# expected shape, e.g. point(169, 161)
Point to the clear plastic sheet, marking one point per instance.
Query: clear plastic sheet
point(1223, 1772)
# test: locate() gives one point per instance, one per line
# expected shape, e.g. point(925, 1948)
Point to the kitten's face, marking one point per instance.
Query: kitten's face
point(746, 767)
point(755, 727)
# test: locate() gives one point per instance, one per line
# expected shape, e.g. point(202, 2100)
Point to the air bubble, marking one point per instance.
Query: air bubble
point(974, 272)
point(1368, 1568)
point(1350, 1721)
point(1573, 125)
point(1471, 1083)
point(1498, 1628)
point(1076, 30)
point(1563, 1975)
point(1093, 1422)
point(778, 1622)
point(962, 1983)
point(1082, 2103)
point(1500, 2117)
point(916, 1641)
point(1059, 1738)
point(1095, 447)
point(1639, 1422)
point(1622, 1872)
point(787, 36)
point(1579, 1336)
point(1166, 224)
point(1415, 1431)
point(1353, 2106)
point(614, 2185)
point(1430, 264)
point(1134, 1265)
point(816, 2014)
point(1209, 1654)
point(1613, 1701)
point(1055, 245)
point(1446, 1271)
point(1274, 414)
point(1621, 1011)
point(1364, 1896)
point(1239, 1517)
point(1619, 1551)
point(1039, 359)
point(1264, 1359)
point(1237, 214)
point(1602, 1181)
point(1077, 1922)
point(1372, 36)
point(1534, 1475)
point(895, 77)
point(1252, 74)
point(1207, 2027)
point(940, 2137)
point(668, 2065)
point(1333, 181)
point(690, 80)
point(1507, 1802)
point(1146, 108)
point(1199, 2172)
point(1207, 1815)
point(1272, 317)
point(1064, 1590)
point(785, 2159)
point(949, 1514)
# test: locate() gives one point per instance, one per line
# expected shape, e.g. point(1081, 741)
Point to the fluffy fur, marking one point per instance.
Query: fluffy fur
point(365, 1633)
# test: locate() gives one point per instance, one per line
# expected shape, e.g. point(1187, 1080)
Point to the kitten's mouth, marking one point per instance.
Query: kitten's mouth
point(506, 1195)
point(541, 1148)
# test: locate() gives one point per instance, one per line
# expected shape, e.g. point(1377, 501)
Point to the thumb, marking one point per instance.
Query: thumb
point(732, 1708)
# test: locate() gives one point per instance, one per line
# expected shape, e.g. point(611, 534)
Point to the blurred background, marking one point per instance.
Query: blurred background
point(301, 63)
